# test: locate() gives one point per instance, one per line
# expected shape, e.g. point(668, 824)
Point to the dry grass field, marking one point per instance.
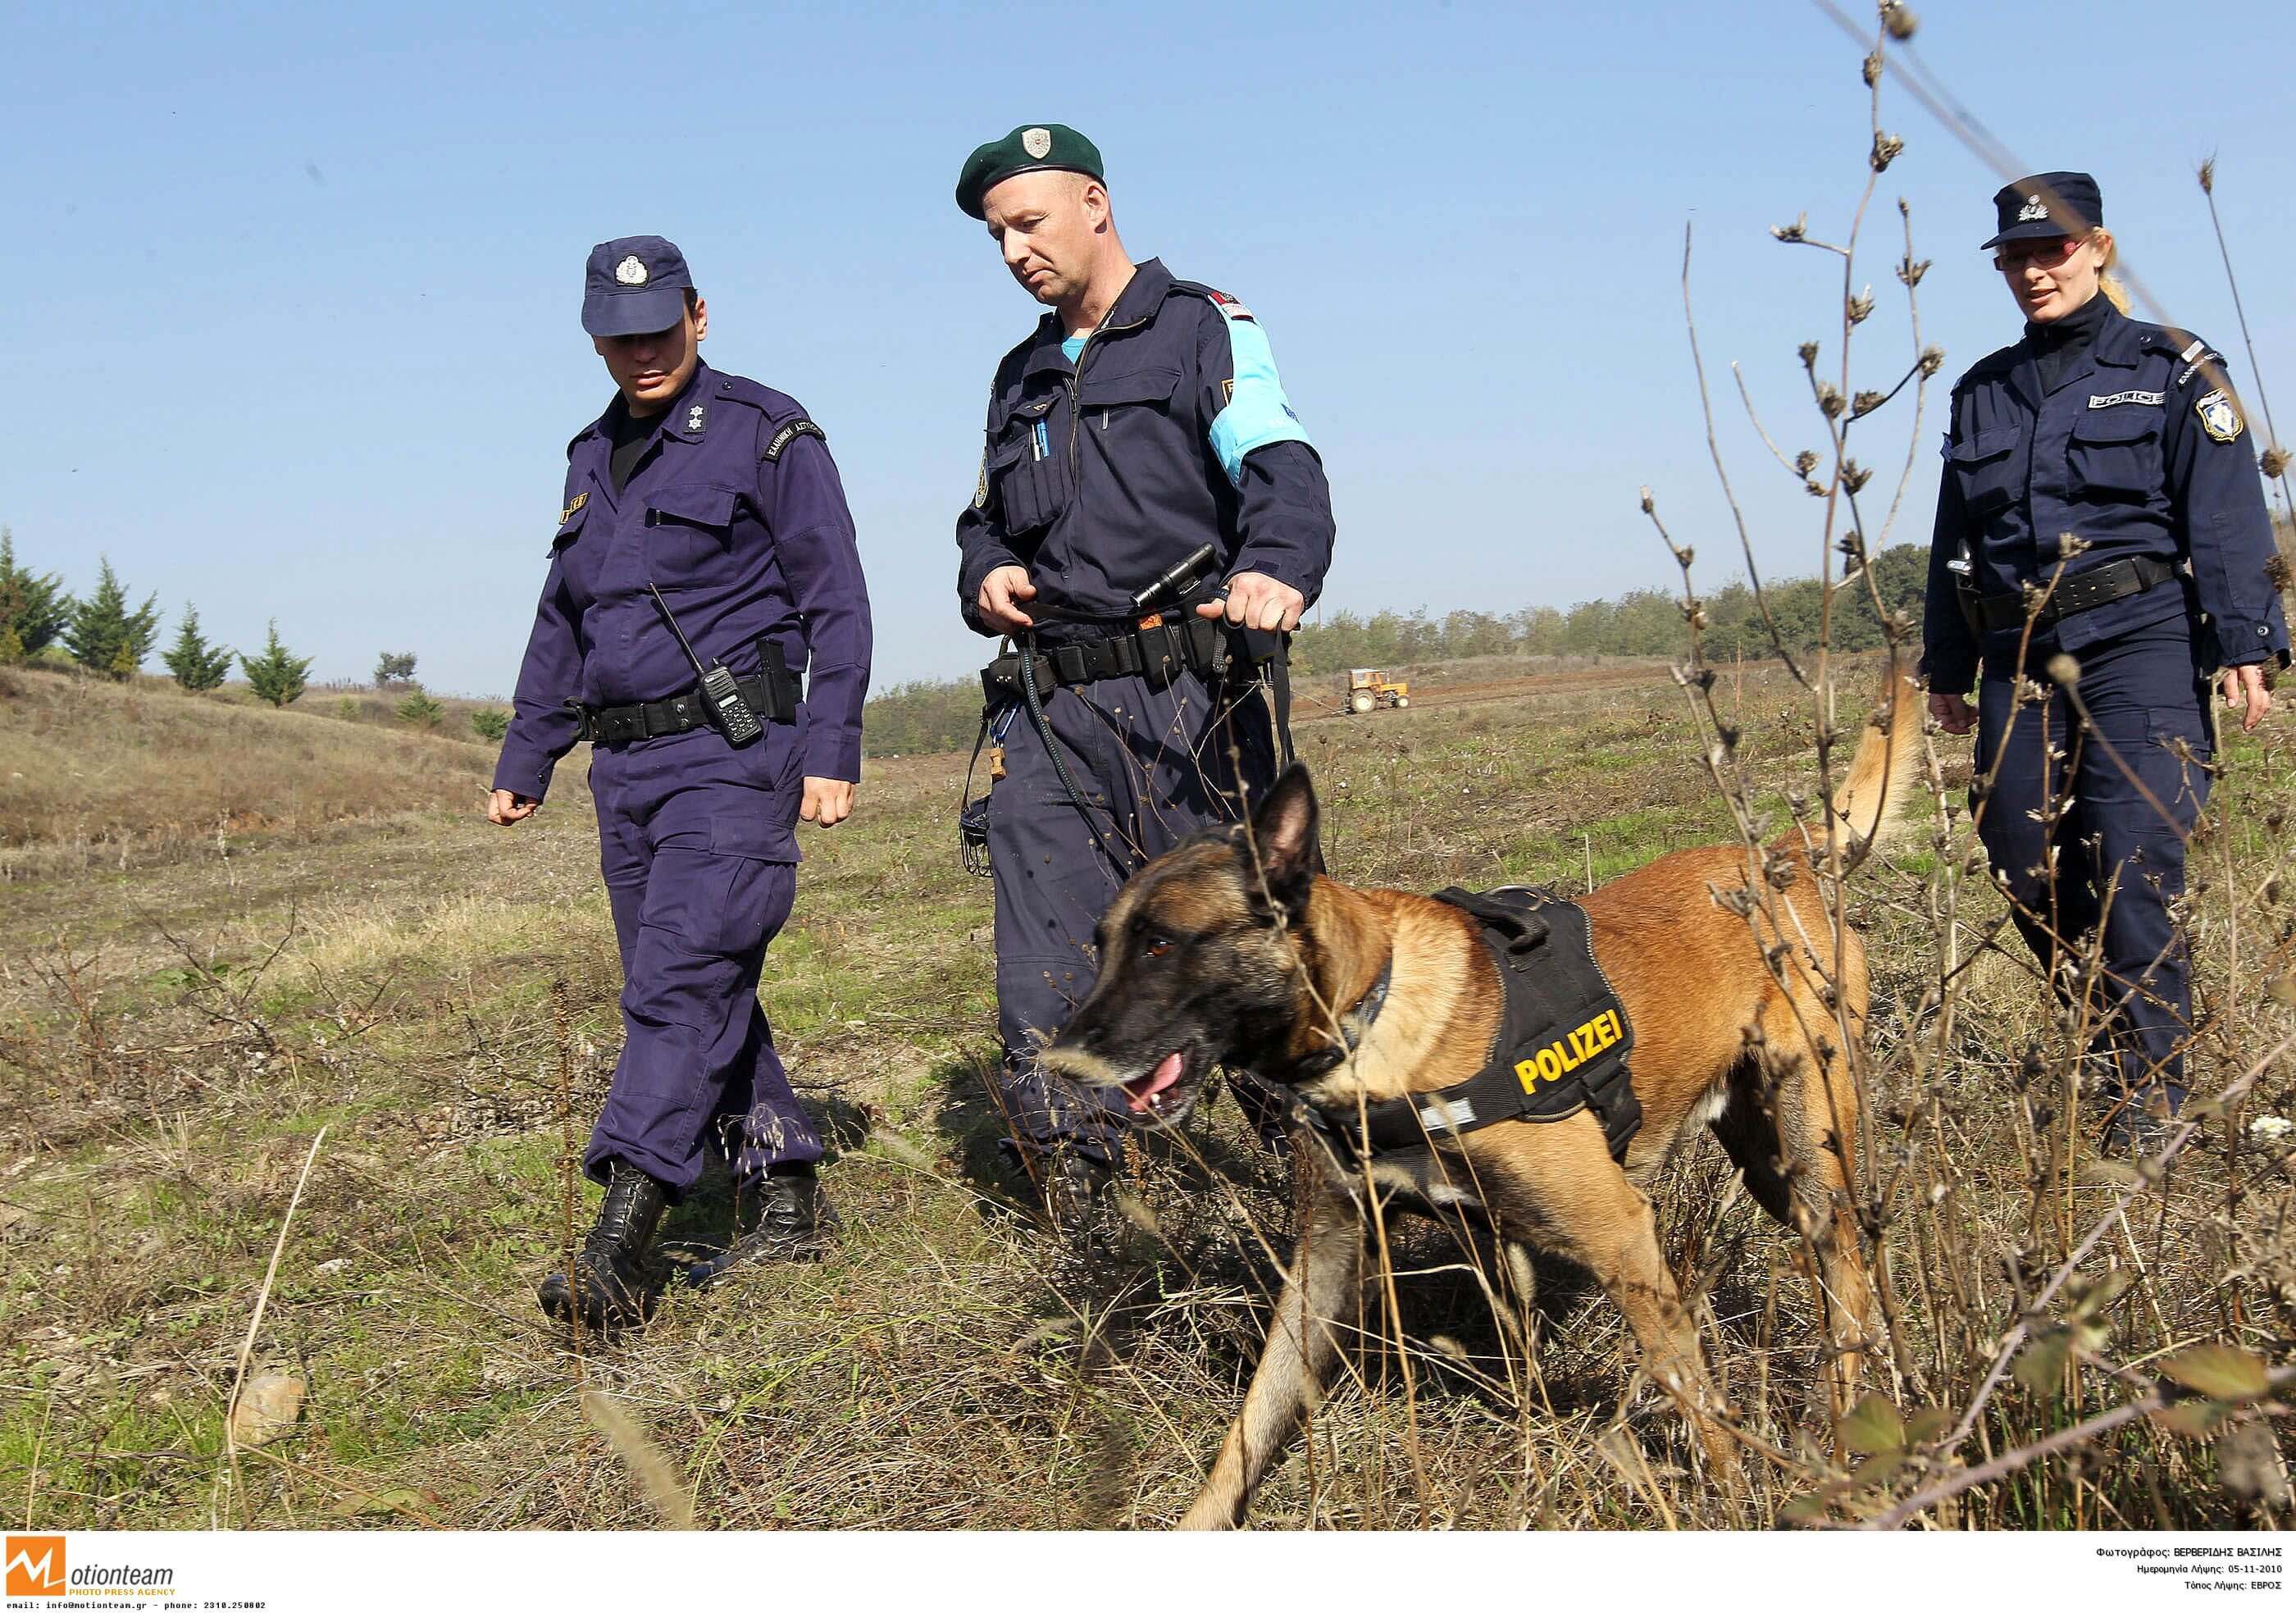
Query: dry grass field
point(224, 932)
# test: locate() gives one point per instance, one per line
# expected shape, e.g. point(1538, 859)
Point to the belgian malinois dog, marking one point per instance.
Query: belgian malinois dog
point(1232, 949)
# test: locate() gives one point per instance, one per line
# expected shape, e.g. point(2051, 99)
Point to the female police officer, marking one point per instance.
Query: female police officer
point(2101, 510)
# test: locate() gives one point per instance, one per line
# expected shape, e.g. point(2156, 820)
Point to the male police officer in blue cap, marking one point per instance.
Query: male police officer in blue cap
point(1142, 419)
point(704, 559)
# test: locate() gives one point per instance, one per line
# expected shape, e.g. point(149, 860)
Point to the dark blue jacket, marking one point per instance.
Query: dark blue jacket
point(2130, 452)
point(735, 512)
point(1172, 430)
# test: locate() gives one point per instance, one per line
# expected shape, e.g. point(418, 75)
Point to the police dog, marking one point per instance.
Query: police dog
point(1232, 949)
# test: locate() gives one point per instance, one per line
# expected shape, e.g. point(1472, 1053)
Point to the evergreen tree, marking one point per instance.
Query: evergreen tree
point(33, 608)
point(105, 635)
point(275, 675)
point(419, 709)
point(197, 664)
point(490, 722)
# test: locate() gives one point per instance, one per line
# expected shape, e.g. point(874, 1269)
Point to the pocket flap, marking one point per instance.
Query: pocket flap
point(700, 506)
point(1983, 446)
point(1139, 386)
point(2116, 425)
point(570, 523)
point(752, 834)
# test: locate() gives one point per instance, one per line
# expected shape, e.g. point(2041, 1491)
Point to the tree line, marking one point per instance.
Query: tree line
point(41, 622)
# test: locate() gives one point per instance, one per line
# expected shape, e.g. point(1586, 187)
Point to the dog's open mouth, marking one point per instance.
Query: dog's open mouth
point(1166, 1091)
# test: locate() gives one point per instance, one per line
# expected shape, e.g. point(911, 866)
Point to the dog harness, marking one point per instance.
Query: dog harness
point(1562, 1044)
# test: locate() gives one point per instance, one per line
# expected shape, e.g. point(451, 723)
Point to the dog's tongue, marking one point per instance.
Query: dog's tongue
point(1139, 1092)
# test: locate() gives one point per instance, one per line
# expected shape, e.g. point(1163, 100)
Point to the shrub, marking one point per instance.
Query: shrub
point(419, 709)
point(490, 722)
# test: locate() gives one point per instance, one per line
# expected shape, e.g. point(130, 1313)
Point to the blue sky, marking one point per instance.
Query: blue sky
point(291, 328)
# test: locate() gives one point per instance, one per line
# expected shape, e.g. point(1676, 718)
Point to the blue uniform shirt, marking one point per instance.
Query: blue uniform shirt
point(2137, 451)
point(735, 512)
point(1168, 430)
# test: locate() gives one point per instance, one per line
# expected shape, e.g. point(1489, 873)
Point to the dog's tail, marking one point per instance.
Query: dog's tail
point(1871, 804)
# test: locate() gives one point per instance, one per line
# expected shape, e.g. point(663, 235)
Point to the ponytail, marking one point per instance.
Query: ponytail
point(2108, 283)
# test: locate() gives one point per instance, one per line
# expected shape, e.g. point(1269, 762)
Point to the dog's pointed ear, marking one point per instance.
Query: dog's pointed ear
point(1284, 831)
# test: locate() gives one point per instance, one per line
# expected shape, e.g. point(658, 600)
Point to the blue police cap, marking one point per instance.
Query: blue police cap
point(2047, 204)
point(634, 285)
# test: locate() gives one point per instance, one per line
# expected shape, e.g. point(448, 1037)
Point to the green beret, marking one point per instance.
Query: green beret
point(1025, 150)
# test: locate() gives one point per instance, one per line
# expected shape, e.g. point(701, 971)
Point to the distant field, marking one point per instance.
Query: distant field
point(224, 929)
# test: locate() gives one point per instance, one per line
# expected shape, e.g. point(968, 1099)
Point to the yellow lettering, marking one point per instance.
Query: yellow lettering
point(1527, 1072)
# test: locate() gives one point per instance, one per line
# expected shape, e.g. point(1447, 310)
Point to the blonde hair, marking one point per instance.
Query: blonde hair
point(2107, 282)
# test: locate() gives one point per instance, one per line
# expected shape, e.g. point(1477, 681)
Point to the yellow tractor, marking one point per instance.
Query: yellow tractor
point(1368, 687)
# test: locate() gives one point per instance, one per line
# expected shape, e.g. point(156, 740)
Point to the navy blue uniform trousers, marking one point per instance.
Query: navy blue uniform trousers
point(1154, 766)
point(2111, 805)
point(697, 843)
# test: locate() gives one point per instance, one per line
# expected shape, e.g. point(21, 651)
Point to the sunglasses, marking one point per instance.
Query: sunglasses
point(2048, 251)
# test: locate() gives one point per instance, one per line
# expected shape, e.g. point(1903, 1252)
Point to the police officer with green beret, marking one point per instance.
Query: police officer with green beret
point(1140, 420)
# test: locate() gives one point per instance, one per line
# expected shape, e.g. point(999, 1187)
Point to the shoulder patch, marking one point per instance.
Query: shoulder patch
point(2197, 358)
point(1229, 306)
point(2220, 417)
point(789, 434)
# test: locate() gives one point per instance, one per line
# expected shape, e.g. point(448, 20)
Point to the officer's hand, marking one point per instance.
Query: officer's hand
point(1954, 713)
point(506, 807)
point(1254, 599)
point(828, 802)
point(998, 592)
point(2247, 692)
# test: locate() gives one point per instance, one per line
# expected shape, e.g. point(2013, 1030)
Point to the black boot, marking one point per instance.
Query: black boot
point(1078, 1194)
point(608, 1288)
point(794, 1221)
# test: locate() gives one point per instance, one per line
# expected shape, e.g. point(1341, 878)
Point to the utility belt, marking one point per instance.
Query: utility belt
point(1157, 649)
point(2081, 591)
point(772, 694)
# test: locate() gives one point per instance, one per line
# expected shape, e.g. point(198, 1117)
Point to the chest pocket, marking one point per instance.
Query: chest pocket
point(1985, 468)
point(1028, 467)
point(569, 526)
point(2115, 454)
point(1104, 396)
point(689, 531)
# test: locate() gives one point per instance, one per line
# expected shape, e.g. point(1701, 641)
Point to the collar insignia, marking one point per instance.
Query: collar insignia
point(567, 514)
point(696, 418)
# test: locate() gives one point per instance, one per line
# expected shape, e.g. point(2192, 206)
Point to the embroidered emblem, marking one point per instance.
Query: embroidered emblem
point(567, 513)
point(980, 487)
point(696, 418)
point(2219, 416)
point(2034, 208)
point(1230, 306)
point(2107, 401)
point(631, 272)
point(1228, 390)
point(789, 434)
point(1036, 142)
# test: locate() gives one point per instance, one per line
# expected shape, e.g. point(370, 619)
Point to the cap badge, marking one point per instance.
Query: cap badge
point(1036, 142)
point(696, 418)
point(2218, 417)
point(2034, 208)
point(631, 272)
